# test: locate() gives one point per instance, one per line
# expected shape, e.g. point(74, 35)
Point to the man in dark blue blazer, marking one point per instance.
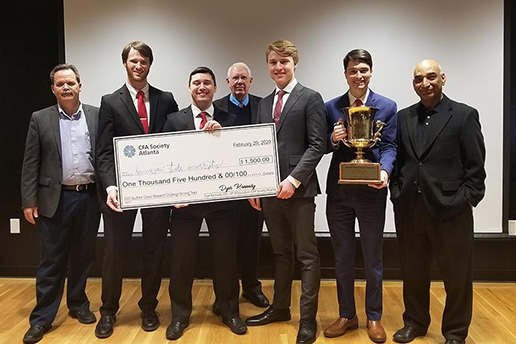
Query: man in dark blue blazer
point(136, 108)
point(347, 202)
point(186, 221)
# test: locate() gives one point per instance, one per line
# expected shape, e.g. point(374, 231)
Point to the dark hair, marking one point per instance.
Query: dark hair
point(141, 47)
point(283, 48)
point(64, 66)
point(202, 70)
point(358, 55)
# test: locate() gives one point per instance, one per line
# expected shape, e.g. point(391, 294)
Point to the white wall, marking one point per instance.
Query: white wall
point(465, 36)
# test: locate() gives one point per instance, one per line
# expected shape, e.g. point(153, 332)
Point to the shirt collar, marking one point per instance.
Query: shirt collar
point(352, 98)
point(74, 116)
point(196, 111)
point(133, 91)
point(289, 88)
point(237, 102)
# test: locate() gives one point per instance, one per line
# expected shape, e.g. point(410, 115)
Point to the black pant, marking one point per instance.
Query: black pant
point(291, 228)
point(185, 226)
point(67, 244)
point(450, 241)
point(118, 229)
point(250, 226)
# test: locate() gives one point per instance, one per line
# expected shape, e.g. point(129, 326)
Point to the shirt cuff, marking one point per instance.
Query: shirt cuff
point(294, 181)
point(111, 188)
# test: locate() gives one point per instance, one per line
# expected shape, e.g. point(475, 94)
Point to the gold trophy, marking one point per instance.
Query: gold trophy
point(360, 135)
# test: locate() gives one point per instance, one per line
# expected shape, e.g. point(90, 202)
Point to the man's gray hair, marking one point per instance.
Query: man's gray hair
point(239, 64)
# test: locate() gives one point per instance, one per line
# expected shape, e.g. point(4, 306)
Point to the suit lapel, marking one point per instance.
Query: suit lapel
point(292, 99)
point(438, 123)
point(54, 121)
point(154, 103)
point(343, 103)
point(187, 119)
point(125, 97)
point(267, 106)
point(91, 122)
point(412, 130)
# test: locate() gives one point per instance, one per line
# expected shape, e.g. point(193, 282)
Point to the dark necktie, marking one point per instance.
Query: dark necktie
point(277, 108)
point(142, 111)
point(358, 102)
point(203, 119)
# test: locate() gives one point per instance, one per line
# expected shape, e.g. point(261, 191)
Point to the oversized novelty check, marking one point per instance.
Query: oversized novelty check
point(196, 166)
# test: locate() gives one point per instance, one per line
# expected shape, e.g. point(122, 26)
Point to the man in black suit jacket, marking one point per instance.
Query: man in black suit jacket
point(58, 192)
point(249, 220)
point(187, 219)
point(135, 109)
point(438, 177)
point(300, 118)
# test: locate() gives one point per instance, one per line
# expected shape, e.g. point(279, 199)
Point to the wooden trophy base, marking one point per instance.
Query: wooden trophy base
point(359, 173)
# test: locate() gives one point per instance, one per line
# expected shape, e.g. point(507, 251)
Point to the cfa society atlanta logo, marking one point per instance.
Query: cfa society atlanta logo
point(129, 151)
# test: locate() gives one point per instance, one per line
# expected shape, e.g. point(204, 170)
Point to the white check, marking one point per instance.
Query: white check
point(196, 166)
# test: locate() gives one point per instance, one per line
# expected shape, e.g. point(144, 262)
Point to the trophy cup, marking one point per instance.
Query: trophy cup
point(360, 135)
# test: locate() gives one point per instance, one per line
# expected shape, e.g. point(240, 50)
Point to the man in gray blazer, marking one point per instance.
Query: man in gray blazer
point(59, 194)
point(300, 118)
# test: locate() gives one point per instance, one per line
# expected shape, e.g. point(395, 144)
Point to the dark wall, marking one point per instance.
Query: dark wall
point(509, 200)
point(33, 42)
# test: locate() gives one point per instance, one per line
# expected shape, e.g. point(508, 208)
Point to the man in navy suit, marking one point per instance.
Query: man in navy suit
point(136, 108)
point(299, 115)
point(59, 194)
point(187, 219)
point(250, 221)
point(438, 178)
point(347, 202)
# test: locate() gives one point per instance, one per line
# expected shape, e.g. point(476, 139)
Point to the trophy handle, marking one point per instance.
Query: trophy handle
point(378, 134)
point(340, 122)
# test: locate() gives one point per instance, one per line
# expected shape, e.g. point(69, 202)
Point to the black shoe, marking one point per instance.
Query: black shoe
point(84, 317)
point(35, 334)
point(216, 309)
point(258, 298)
point(454, 341)
point(150, 320)
point(104, 327)
point(307, 332)
point(236, 325)
point(269, 316)
point(175, 329)
point(407, 334)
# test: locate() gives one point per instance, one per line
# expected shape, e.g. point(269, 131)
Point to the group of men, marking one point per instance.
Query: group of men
point(436, 175)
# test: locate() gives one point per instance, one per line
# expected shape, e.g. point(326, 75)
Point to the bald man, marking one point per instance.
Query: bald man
point(437, 180)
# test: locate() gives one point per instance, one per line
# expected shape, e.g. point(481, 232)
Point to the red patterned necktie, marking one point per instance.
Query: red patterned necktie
point(203, 119)
point(142, 111)
point(358, 102)
point(277, 107)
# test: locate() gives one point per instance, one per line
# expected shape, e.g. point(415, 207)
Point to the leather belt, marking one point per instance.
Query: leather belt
point(78, 187)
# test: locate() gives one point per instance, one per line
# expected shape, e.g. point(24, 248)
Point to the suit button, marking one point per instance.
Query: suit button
point(420, 164)
point(418, 190)
point(415, 182)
